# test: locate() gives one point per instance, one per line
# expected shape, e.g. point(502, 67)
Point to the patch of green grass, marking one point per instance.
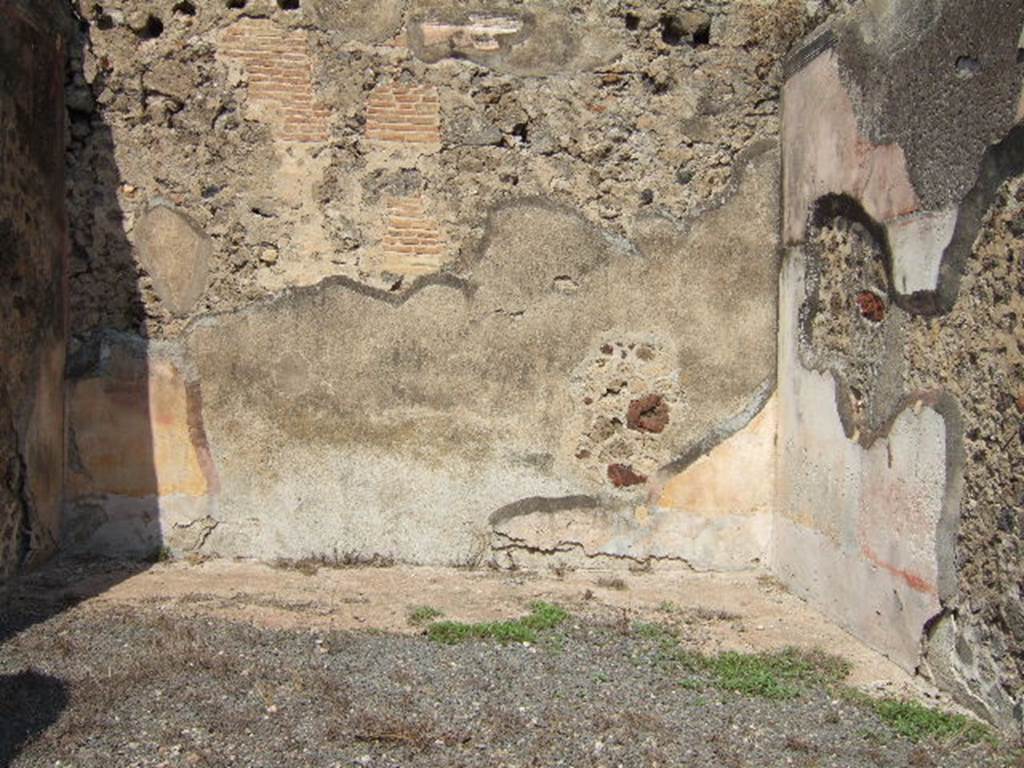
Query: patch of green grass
point(542, 617)
point(669, 652)
point(453, 632)
point(423, 614)
point(917, 722)
point(545, 616)
point(778, 675)
point(653, 631)
point(692, 684)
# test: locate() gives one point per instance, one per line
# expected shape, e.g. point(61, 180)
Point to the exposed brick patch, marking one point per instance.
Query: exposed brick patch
point(280, 76)
point(648, 414)
point(623, 476)
point(407, 114)
point(413, 243)
point(871, 306)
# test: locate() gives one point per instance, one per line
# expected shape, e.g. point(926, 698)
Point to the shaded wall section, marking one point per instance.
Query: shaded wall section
point(900, 502)
point(33, 279)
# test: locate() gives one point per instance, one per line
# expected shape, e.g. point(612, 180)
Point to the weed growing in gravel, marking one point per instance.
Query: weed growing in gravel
point(423, 614)
point(917, 722)
point(779, 675)
point(700, 613)
point(310, 565)
point(613, 582)
point(651, 631)
point(542, 617)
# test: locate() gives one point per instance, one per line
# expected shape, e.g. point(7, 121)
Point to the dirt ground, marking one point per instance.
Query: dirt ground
point(742, 612)
point(236, 663)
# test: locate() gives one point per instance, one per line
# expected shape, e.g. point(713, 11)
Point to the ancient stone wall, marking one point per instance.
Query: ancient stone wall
point(427, 281)
point(899, 488)
point(446, 283)
point(33, 258)
point(286, 136)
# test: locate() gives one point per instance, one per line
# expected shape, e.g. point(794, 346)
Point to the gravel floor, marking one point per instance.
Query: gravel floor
point(156, 687)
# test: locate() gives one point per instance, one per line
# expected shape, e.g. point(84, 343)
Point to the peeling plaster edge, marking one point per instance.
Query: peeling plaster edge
point(320, 289)
point(147, 515)
point(938, 665)
point(431, 54)
point(820, 40)
point(742, 165)
point(541, 504)
point(450, 276)
point(948, 408)
point(1001, 161)
point(703, 446)
point(721, 432)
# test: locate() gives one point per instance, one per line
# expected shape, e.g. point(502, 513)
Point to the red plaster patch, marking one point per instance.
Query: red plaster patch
point(915, 582)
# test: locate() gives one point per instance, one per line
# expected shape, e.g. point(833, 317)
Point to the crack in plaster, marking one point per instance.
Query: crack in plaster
point(207, 524)
point(507, 544)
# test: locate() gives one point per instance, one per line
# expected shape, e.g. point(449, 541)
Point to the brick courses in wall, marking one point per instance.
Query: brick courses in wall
point(280, 77)
point(413, 243)
point(406, 114)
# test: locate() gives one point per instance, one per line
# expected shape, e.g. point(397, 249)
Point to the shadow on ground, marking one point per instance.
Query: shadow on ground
point(30, 702)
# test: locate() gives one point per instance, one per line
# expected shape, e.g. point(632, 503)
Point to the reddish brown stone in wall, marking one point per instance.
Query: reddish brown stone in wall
point(648, 414)
point(623, 475)
point(871, 306)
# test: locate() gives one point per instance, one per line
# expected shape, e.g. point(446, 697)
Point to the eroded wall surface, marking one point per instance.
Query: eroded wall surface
point(33, 257)
point(428, 281)
point(900, 499)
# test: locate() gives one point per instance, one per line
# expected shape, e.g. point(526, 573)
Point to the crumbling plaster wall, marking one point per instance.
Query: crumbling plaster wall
point(900, 362)
point(33, 287)
point(431, 281)
point(270, 131)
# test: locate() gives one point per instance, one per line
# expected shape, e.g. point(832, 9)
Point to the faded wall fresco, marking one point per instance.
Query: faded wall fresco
point(899, 496)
